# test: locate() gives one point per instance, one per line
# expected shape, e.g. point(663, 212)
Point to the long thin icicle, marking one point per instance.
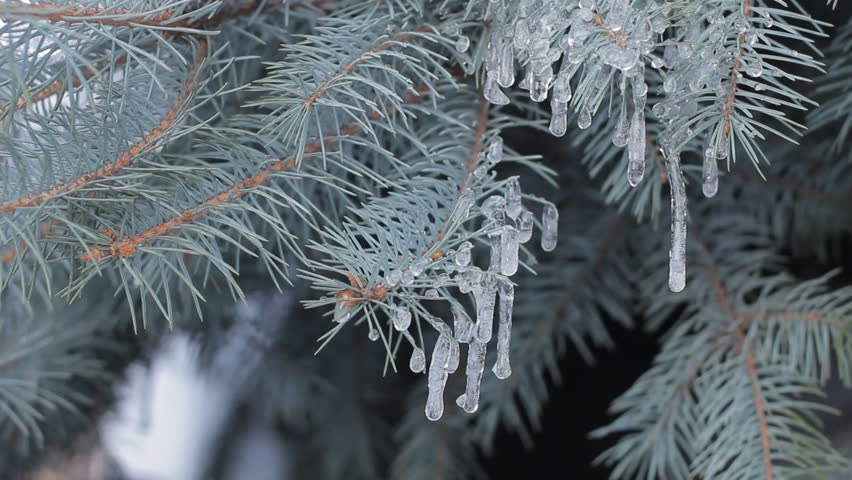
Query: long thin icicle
point(502, 368)
point(469, 400)
point(441, 356)
point(677, 254)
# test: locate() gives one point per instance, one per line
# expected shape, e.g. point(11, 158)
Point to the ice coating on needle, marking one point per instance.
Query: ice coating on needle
point(469, 400)
point(677, 254)
point(502, 368)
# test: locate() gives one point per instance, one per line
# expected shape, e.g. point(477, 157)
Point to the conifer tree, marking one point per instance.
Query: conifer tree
point(163, 161)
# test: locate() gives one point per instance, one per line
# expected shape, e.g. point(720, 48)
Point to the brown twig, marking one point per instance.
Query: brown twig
point(750, 365)
point(734, 79)
point(73, 14)
point(616, 36)
point(113, 168)
point(129, 245)
point(349, 67)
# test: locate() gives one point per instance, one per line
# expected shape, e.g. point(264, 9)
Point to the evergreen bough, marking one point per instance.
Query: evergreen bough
point(165, 150)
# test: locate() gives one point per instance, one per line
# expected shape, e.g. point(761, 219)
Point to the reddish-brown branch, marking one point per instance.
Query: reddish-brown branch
point(760, 408)
point(349, 67)
point(113, 168)
point(615, 36)
point(38, 95)
point(730, 101)
point(750, 366)
point(102, 16)
point(129, 245)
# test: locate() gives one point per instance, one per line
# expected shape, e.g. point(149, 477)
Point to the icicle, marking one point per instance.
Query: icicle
point(469, 401)
point(463, 254)
point(513, 198)
point(677, 254)
point(506, 65)
point(484, 297)
point(492, 91)
point(462, 211)
point(562, 88)
point(585, 118)
point(558, 117)
point(437, 378)
point(636, 149)
point(342, 311)
point(541, 84)
point(670, 85)
point(722, 148)
point(418, 361)
point(453, 359)
point(509, 255)
point(502, 368)
point(462, 325)
point(525, 226)
point(549, 224)
point(462, 44)
point(493, 208)
point(619, 135)
point(496, 250)
point(401, 318)
point(640, 93)
point(495, 150)
point(710, 174)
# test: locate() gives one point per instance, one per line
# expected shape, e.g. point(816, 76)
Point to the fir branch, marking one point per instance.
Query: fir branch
point(129, 245)
point(119, 17)
point(733, 80)
point(146, 144)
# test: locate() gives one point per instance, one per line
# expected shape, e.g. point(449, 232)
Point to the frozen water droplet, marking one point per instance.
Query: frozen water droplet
point(754, 68)
point(492, 91)
point(562, 88)
point(418, 361)
point(373, 335)
point(463, 43)
point(525, 226)
point(585, 118)
point(558, 117)
point(670, 85)
point(401, 318)
point(618, 57)
point(342, 311)
point(495, 150)
point(463, 254)
point(493, 207)
point(484, 297)
point(513, 198)
point(418, 266)
point(549, 225)
point(393, 277)
point(432, 293)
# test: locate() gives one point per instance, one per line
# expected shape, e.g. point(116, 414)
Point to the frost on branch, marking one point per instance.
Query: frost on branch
point(453, 231)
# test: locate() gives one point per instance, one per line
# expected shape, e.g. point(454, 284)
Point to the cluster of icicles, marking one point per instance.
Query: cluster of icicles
point(508, 224)
point(527, 35)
